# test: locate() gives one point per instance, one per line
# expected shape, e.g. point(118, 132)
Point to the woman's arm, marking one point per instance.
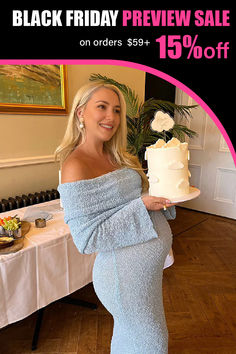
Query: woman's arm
point(127, 226)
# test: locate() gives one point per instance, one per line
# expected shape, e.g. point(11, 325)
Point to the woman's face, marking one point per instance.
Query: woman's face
point(101, 115)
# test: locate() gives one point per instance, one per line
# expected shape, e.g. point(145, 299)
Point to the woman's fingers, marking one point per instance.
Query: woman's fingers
point(165, 203)
point(160, 200)
point(156, 203)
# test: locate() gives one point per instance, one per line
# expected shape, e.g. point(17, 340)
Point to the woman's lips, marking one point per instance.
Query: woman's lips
point(106, 126)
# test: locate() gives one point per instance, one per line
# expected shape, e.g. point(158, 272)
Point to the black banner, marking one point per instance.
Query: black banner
point(192, 45)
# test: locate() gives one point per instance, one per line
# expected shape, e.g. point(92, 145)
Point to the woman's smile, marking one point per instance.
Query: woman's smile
point(106, 126)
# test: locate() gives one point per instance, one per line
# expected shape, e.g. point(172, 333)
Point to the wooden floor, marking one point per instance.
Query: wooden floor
point(199, 299)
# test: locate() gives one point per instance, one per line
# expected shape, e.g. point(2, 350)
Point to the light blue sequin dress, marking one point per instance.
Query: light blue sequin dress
point(107, 215)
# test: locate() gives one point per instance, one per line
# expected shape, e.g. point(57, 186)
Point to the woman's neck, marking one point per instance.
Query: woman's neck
point(94, 150)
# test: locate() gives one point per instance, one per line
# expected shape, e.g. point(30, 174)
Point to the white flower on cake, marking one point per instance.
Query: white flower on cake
point(162, 121)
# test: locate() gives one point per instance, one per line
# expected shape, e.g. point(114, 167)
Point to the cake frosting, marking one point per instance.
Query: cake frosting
point(168, 172)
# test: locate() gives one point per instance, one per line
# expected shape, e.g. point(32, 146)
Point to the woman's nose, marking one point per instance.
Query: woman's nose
point(110, 114)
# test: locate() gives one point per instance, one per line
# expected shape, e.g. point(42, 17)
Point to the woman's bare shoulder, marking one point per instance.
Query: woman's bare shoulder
point(74, 169)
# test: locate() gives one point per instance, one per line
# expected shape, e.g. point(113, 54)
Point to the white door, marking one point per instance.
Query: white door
point(211, 164)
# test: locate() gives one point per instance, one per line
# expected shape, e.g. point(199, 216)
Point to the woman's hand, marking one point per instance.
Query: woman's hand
point(156, 203)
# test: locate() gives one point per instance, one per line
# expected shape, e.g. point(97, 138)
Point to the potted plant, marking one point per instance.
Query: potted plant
point(140, 115)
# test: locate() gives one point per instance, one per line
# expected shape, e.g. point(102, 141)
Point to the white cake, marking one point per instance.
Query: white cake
point(168, 172)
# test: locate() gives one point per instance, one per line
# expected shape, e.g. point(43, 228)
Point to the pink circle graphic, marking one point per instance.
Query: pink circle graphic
point(137, 66)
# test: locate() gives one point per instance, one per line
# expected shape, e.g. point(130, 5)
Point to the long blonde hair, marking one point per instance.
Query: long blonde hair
point(116, 147)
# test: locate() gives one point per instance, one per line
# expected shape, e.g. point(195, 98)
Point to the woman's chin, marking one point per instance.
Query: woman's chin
point(107, 138)
point(107, 135)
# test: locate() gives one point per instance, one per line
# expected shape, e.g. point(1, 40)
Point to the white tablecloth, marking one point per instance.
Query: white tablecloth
point(46, 269)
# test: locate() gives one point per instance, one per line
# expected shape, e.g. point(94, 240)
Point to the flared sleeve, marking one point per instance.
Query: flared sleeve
point(106, 212)
point(169, 213)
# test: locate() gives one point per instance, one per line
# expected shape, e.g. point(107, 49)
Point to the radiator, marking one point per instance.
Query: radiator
point(29, 199)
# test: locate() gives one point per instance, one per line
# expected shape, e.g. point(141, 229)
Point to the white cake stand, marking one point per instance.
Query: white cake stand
point(193, 193)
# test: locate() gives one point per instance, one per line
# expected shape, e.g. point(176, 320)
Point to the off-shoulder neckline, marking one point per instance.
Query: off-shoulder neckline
point(95, 178)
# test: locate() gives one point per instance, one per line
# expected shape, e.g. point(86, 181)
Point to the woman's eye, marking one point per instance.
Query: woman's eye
point(101, 106)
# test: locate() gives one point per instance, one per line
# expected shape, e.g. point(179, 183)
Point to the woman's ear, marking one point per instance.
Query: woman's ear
point(79, 112)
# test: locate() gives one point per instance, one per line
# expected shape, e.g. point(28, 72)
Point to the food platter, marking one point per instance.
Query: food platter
point(193, 193)
point(14, 245)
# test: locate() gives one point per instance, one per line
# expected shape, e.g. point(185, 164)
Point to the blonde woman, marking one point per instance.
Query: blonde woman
point(102, 192)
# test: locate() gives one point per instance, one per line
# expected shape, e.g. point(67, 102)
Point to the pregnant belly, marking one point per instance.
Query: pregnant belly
point(131, 274)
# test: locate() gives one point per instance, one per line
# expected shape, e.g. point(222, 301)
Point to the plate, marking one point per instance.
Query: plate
point(193, 193)
point(6, 241)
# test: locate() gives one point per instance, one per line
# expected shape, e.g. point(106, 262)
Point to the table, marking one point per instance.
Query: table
point(47, 268)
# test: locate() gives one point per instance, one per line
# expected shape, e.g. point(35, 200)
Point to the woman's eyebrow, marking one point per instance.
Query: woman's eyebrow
point(106, 103)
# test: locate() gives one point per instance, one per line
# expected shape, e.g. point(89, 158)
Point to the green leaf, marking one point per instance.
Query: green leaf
point(131, 98)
